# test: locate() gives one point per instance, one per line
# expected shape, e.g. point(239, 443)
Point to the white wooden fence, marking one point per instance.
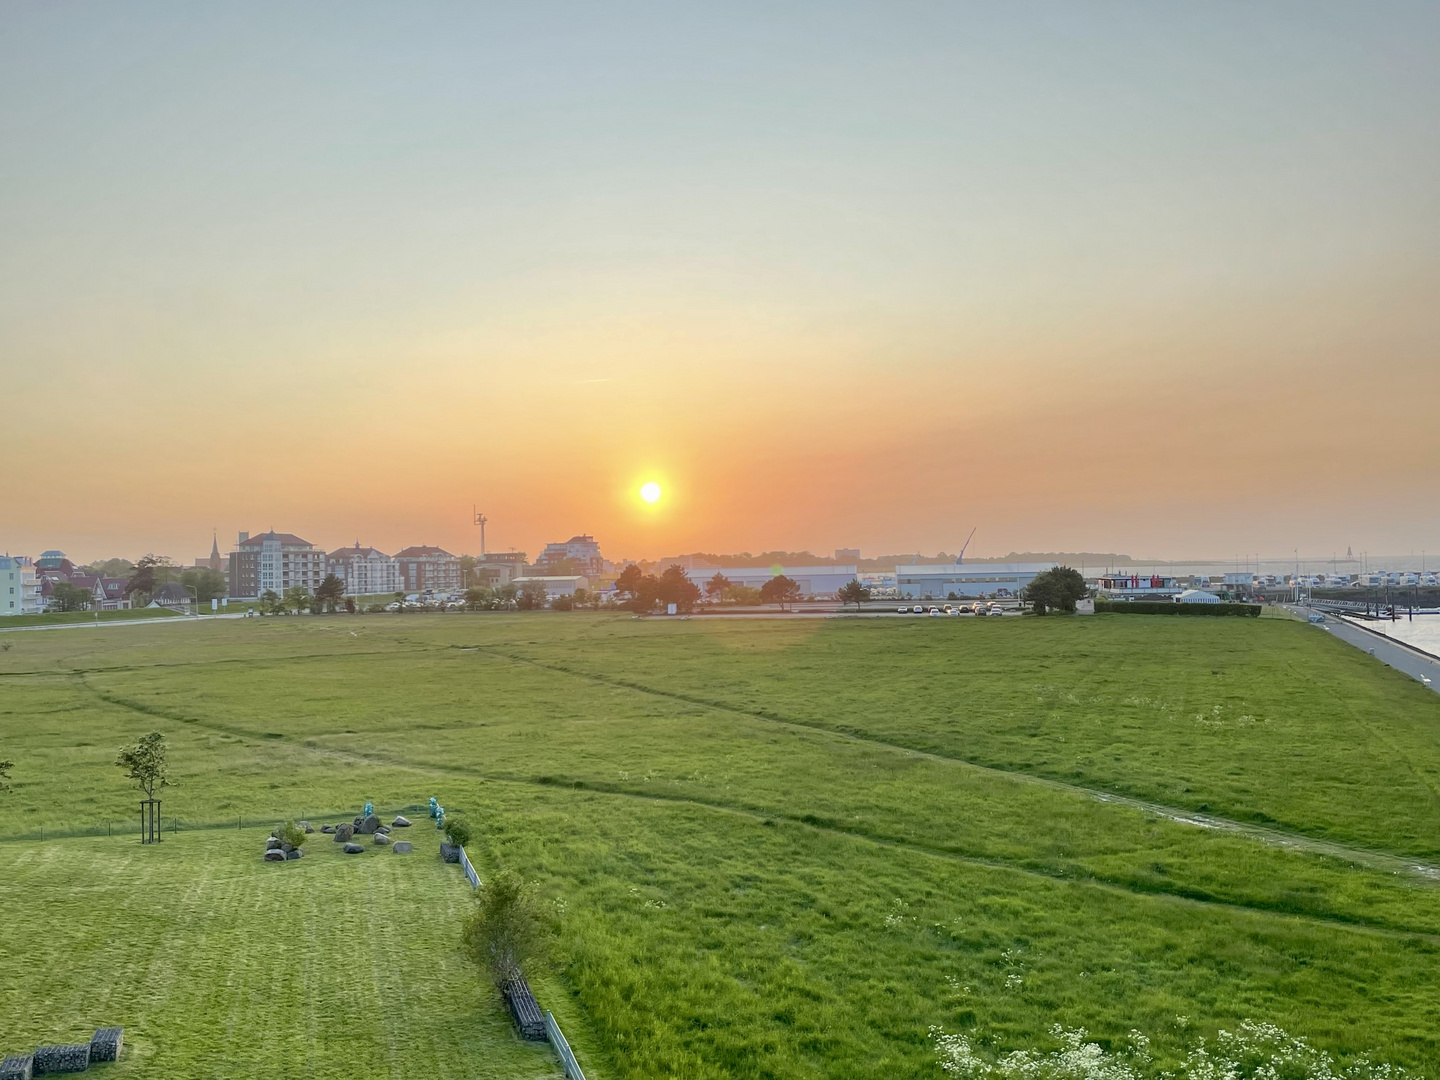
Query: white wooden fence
point(470, 873)
point(552, 1028)
point(562, 1048)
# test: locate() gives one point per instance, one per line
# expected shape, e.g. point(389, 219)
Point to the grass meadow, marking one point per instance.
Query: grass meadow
point(781, 848)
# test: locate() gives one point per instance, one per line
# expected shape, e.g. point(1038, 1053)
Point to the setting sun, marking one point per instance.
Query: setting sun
point(650, 492)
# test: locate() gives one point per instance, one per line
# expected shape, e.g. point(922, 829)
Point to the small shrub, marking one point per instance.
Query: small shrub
point(292, 834)
point(457, 831)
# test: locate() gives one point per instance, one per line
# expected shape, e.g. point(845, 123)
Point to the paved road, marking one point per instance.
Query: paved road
point(1415, 664)
point(96, 624)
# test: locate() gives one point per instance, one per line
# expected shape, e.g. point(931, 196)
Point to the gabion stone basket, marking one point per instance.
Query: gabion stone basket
point(106, 1043)
point(17, 1068)
point(62, 1059)
point(526, 1011)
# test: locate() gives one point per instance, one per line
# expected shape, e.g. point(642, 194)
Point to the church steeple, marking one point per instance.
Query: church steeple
point(214, 547)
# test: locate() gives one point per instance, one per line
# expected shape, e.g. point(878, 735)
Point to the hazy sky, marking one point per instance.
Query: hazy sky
point(1162, 279)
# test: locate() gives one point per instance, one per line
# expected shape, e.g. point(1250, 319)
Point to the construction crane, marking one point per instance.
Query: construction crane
point(961, 557)
point(480, 520)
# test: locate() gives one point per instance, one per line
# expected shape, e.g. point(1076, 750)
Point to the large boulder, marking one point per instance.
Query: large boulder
point(402, 847)
point(400, 822)
point(368, 825)
point(327, 828)
point(105, 1044)
point(353, 849)
point(294, 853)
point(381, 839)
point(305, 825)
point(275, 855)
point(271, 843)
point(343, 834)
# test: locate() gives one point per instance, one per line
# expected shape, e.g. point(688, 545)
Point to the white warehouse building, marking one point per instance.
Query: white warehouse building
point(976, 580)
point(821, 581)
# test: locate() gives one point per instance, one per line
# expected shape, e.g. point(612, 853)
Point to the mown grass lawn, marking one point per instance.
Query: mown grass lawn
point(788, 849)
point(220, 965)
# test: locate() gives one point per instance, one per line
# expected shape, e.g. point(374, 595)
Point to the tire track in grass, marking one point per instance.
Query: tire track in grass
point(1078, 877)
point(1367, 857)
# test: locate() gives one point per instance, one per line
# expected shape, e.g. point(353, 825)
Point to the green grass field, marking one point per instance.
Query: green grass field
point(783, 848)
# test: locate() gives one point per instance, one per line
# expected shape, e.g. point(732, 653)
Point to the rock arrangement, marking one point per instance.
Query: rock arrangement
point(76, 1057)
point(276, 850)
point(347, 834)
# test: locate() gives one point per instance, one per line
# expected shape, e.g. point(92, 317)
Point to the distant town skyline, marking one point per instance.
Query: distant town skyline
point(1311, 558)
point(1152, 279)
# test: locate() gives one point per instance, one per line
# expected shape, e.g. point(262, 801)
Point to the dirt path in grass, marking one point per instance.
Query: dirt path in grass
point(1087, 880)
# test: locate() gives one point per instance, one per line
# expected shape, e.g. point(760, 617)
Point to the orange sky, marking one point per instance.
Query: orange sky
point(1164, 286)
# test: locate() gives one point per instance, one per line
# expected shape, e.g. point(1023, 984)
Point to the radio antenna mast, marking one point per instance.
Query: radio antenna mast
point(480, 520)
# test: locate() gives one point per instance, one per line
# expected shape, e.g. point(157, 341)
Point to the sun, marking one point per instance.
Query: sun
point(650, 492)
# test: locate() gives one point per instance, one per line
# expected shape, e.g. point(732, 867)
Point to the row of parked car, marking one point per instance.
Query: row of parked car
point(951, 609)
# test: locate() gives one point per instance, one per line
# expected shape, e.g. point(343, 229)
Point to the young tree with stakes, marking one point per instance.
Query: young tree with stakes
point(145, 764)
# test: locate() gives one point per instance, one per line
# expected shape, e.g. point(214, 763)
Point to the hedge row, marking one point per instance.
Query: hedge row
point(1165, 607)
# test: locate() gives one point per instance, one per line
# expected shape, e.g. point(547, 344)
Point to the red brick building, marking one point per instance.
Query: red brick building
point(428, 569)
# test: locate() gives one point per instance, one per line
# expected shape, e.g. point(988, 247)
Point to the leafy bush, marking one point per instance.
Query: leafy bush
point(1058, 588)
point(511, 928)
point(457, 831)
point(1165, 607)
point(292, 834)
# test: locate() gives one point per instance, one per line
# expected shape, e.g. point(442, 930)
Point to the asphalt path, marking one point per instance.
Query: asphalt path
point(1418, 665)
point(96, 624)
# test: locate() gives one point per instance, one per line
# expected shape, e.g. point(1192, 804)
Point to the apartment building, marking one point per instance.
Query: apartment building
point(366, 571)
point(273, 562)
point(19, 587)
point(579, 551)
point(428, 569)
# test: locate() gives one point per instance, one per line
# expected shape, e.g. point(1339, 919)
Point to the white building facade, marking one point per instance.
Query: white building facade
point(1138, 586)
point(19, 586)
point(274, 562)
point(366, 571)
point(974, 580)
point(819, 581)
point(556, 585)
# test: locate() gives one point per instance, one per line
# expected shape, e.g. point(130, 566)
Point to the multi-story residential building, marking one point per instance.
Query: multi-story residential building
point(19, 588)
point(581, 552)
point(274, 562)
point(428, 569)
point(498, 568)
point(366, 571)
